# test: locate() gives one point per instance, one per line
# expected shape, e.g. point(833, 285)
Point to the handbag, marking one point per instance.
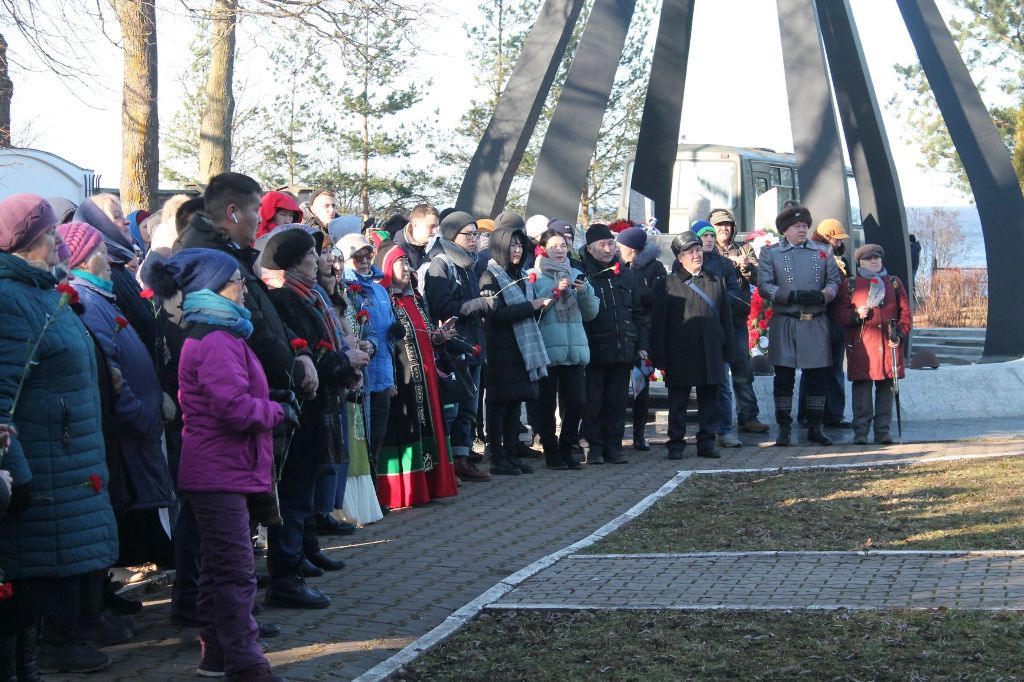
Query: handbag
point(455, 379)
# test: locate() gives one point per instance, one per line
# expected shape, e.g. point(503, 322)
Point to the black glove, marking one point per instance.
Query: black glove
point(282, 396)
point(291, 414)
point(397, 330)
point(809, 297)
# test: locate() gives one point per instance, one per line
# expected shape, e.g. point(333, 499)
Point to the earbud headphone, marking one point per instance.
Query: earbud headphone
point(234, 217)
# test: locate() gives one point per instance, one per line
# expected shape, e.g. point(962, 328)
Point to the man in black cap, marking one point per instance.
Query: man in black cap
point(452, 290)
point(800, 278)
point(618, 336)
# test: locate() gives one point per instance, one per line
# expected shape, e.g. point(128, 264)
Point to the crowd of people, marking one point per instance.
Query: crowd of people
point(171, 382)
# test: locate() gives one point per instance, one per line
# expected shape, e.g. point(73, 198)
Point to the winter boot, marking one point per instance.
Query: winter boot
point(513, 459)
point(815, 416)
point(500, 464)
point(552, 460)
point(784, 418)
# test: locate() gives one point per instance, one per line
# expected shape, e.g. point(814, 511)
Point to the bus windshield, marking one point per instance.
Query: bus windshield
point(713, 181)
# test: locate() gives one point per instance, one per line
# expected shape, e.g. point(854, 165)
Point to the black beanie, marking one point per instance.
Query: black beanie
point(597, 232)
point(453, 224)
point(287, 249)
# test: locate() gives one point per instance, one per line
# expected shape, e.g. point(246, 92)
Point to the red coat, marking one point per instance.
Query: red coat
point(868, 355)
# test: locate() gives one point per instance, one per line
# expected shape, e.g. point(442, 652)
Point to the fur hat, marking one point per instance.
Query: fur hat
point(82, 240)
point(791, 216)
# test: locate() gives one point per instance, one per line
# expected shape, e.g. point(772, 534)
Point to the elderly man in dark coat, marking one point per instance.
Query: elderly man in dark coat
point(692, 340)
point(800, 278)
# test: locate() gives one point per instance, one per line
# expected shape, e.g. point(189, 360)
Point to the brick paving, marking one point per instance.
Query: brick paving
point(800, 580)
point(406, 574)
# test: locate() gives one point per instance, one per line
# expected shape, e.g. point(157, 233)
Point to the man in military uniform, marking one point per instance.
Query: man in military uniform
point(800, 278)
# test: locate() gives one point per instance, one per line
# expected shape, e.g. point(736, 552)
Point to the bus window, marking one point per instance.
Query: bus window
point(760, 186)
point(712, 181)
point(787, 177)
point(776, 176)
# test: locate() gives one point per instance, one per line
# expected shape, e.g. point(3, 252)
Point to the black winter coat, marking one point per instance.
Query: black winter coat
point(621, 327)
point(648, 271)
point(725, 271)
point(504, 370)
point(270, 336)
point(319, 439)
point(689, 341)
point(446, 288)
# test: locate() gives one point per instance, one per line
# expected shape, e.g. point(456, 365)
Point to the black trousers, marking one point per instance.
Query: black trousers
point(503, 426)
point(604, 413)
point(566, 386)
point(707, 416)
point(785, 380)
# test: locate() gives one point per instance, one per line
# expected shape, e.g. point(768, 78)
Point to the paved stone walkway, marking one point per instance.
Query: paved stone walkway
point(760, 580)
point(409, 572)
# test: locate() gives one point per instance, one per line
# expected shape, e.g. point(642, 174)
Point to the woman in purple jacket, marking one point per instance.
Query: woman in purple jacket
point(226, 453)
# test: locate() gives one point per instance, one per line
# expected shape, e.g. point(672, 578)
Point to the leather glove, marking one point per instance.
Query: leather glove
point(282, 396)
point(477, 306)
point(291, 414)
point(809, 297)
point(397, 330)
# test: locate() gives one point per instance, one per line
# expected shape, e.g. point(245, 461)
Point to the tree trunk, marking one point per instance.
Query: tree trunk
point(6, 95)
point(215, 128)
point(140, 128)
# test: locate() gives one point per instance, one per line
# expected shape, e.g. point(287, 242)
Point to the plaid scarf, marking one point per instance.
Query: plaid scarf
point(528, 336)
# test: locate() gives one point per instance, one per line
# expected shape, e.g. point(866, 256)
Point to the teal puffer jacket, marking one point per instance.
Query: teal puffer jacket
point(566, 340)
point(69, 527)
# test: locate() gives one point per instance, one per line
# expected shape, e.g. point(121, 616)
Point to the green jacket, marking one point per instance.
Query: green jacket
point(68, 528)
point(566, 340)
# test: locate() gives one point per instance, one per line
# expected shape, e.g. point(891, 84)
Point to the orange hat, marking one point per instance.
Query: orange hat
point(485, 225)
point(830, 227)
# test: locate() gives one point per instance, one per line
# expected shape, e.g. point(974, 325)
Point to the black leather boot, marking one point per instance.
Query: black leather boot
point(784, 418)
point(639, 441)
point(500, 463)
point(290, 592)
point(27, 653)
point(815, 416)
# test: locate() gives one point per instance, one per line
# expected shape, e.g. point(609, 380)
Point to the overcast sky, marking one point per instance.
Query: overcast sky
point(735, 93)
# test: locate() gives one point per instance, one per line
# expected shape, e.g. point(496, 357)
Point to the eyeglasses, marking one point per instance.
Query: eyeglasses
point(469, 235)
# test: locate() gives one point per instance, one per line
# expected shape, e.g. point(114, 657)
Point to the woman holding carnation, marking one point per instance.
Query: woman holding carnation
point(415, 465)
point(59, 534)
point(567, 348)
point(227, 451)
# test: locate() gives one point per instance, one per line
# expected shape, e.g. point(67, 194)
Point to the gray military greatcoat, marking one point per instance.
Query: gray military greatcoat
point(798, 335)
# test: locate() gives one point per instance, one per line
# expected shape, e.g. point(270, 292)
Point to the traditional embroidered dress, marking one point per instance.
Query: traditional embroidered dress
point(415, 464)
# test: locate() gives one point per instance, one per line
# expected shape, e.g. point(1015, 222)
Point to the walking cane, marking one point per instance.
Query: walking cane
point(893, 336)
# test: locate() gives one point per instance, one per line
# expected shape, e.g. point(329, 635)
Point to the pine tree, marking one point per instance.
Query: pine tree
point(991, 40)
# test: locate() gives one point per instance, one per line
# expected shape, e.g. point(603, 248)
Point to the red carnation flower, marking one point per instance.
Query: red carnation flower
point(477, 349)
point(6, 591)
point(555, 293)
point(533, 276)
point(363, 316)
point(324, 345)
point(763, 325)
point(617, 268)
point(67, 293)
point(539, 251)
point(96, 482)
point(120, 322)
point(299, 344)
point(146, 294)
point(648, 363)
point(355, 288)
point(821, 255)
point(874, 280)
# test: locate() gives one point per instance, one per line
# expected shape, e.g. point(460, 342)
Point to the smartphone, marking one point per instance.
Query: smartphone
point(580, 278)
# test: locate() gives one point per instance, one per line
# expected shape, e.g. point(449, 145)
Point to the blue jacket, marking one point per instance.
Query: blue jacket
point(138, 416)
point(566, 340)
point(69, 528)
point(379, 375)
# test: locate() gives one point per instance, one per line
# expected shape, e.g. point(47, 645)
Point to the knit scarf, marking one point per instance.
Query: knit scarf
point(303, 287)
point(461, 257)
point(876, 286)
point(104, 284)
point(528, 336)
point(566, 304)
point(207, 307)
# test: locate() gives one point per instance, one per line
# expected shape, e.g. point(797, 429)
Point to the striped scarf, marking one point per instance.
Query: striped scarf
point(303, 286)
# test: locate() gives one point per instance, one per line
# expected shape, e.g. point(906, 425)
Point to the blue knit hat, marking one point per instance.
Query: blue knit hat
point(701, 227)
point(191, 270)
point(634, 237)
